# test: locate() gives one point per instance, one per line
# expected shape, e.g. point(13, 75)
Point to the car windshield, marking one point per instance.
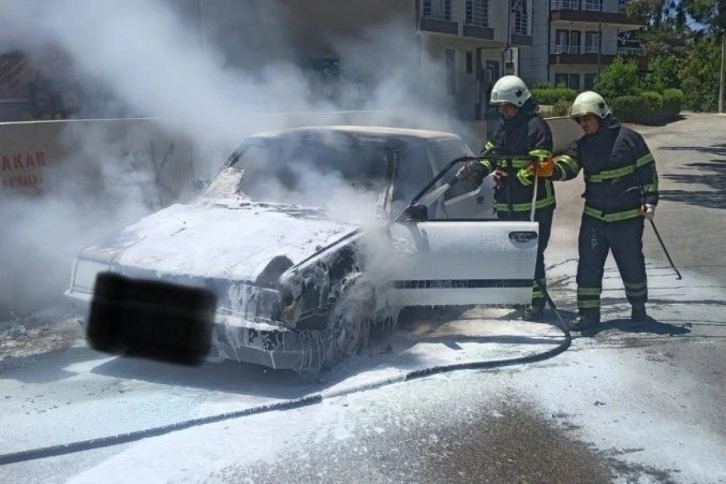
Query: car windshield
point(338, 171)
point(323, 169)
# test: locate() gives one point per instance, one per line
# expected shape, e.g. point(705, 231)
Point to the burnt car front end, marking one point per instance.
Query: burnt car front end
point(276, 316)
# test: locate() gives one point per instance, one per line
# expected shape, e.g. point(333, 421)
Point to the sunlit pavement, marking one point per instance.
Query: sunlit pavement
point(632, 403)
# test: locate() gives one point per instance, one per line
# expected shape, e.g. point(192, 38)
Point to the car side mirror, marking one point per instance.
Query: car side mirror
point(415, 213)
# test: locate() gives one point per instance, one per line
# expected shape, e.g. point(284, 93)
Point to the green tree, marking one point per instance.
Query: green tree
point(620, 78)
point(711, 13)
point(664, 72)
point(666, 29)
point(700, 74)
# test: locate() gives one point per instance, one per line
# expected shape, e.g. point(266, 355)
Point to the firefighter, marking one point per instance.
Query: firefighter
point(526, 137)
point(621, 190)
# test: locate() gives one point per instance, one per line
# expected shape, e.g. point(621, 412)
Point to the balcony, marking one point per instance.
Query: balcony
point(438, 16)
point(473, 19)
point(589, 11)
point(476, 20)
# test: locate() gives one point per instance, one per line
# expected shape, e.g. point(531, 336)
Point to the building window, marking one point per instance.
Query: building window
point(568, 80)
point(477, 13)
point(567, 42)
point(520, 11)
point(590, 81)
point(575, 40)
point(439, 9)
point(561, 79)
point(574, 82)
point(451, 71)
point(592, 42)
point(592, 5)
point(469, 62)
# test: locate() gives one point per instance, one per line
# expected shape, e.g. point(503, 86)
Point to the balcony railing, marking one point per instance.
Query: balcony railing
point(437, 9)
point(440, 16)
point(592, 49)
point(582, 6)
point(566, 49)
point(477, 13)
point(631, 51)
point(568, 5)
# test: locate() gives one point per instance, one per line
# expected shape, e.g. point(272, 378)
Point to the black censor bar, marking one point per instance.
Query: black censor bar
point(151, 319)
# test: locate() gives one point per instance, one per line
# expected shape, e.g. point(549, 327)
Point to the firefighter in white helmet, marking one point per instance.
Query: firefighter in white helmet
point(527, 138)
point(621, 189)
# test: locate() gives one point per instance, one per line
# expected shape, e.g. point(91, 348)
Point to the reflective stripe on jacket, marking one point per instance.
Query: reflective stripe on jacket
point(523, 136)
point(619, 171)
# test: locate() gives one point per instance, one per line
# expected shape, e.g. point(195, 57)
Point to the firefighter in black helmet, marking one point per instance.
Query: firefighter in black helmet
point(527, 138)
point(621, 189)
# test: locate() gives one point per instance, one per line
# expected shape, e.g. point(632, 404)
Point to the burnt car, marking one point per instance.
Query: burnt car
point(306, 237)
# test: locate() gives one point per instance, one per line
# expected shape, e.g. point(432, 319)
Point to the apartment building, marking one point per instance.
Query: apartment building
point(478, 41)
point(475, 42)
point(556, 41)
point(584, 37)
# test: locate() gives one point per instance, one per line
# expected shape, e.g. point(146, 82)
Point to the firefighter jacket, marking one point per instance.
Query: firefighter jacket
point(524, 137)
point(619, 170)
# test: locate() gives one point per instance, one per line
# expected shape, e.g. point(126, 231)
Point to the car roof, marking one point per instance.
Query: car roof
point(381, 133)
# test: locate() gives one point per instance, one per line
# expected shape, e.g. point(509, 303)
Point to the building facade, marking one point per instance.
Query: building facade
point(560, 42)
point(584, 37)
point(474, 42)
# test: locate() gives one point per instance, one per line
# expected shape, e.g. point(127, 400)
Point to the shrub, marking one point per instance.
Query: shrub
point(561, 108)
point(550, 96)
point(648, 107)
point(672, 102)
point(653, 109)
point(626, 108)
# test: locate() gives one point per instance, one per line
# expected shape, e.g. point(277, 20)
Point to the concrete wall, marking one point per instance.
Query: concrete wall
point(534, 59)
point(35, 155)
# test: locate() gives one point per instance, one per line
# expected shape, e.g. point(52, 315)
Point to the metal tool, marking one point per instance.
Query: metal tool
point(652, 224)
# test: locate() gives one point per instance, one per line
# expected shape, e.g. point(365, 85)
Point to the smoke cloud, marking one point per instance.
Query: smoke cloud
point(210, 72)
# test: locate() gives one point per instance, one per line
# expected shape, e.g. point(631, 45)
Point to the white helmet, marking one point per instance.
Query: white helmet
point(510, 89)
point(589, 102)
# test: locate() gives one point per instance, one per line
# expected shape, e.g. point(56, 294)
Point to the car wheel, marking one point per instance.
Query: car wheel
point(349, 324)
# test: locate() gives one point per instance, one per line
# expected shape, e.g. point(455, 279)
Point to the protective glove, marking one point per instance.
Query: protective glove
point(473, 171)
point(545, 169)
point(648, 211)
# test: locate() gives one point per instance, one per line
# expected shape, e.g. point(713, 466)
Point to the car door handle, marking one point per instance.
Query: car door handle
point(522, 237)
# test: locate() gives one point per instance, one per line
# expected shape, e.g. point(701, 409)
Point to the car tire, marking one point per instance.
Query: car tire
point(349, 324)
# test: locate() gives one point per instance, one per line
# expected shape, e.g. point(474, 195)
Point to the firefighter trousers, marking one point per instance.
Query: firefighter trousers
point(625, 240)
point(544, 218)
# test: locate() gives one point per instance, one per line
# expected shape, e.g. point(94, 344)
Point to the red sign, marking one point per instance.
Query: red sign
point(22, 172)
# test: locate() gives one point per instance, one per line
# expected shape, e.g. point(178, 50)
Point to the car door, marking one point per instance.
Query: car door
point(458, 262)
point(444, 259)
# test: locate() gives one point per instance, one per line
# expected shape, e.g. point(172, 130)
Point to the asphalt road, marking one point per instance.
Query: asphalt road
point(634, 403)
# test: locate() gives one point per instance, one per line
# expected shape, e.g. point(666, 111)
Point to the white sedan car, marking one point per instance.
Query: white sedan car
point(308, 240)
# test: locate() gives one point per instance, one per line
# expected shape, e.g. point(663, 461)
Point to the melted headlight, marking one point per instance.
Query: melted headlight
point(291, 312)
point(84, 276)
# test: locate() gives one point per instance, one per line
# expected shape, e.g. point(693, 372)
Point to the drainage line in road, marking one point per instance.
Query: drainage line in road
point(91, 444)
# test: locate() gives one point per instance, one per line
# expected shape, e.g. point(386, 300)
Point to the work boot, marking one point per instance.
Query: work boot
point(534, 313)
point(638, 313)
point(585, 321)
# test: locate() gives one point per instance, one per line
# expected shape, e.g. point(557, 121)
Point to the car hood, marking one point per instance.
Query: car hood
point(234, 240)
